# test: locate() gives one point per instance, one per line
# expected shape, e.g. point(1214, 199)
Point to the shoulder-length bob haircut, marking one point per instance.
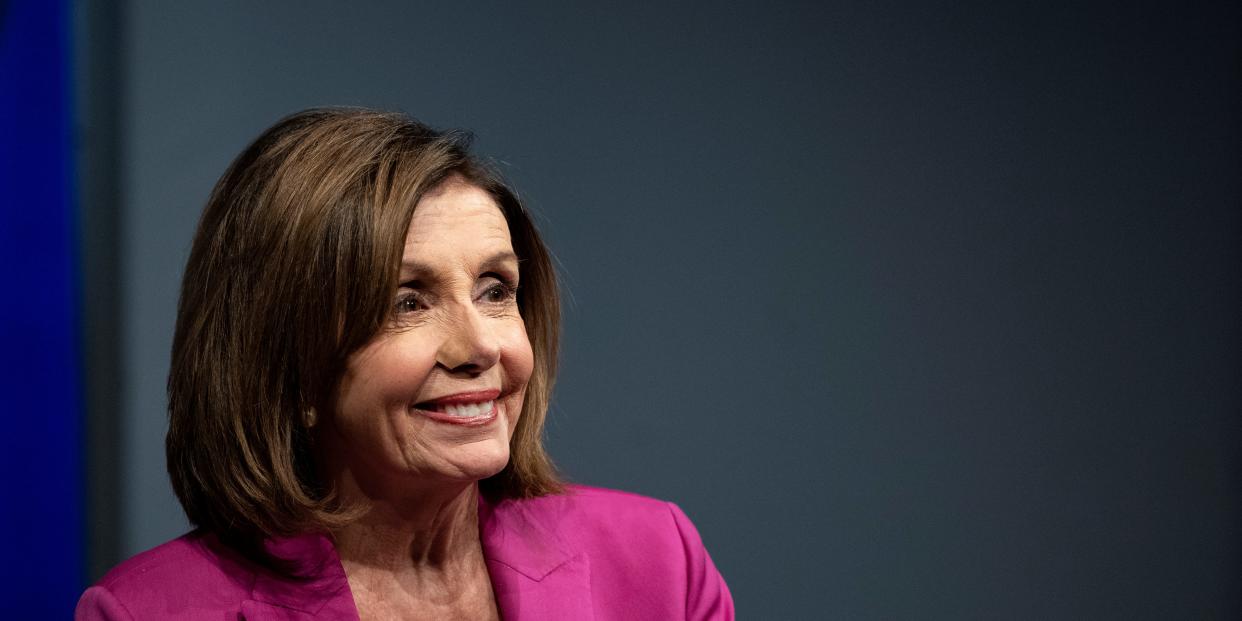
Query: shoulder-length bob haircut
point(293, 268)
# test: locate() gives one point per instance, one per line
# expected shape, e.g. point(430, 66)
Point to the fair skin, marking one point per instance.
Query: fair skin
point(426, 410)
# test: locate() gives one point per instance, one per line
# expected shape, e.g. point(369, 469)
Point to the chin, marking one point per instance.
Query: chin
point(481, 462)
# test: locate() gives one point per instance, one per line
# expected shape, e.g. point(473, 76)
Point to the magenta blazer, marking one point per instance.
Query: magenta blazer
point(586, 554)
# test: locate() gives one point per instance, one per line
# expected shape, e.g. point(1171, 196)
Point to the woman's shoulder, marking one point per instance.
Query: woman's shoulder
point(582, 506)
point(632, 544)
point(586, 497)
point(589, 498)
point(194, 555)
point(194, 566)
point(595, 519)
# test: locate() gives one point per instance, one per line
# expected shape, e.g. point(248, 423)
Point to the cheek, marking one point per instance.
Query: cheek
point(369, 420)
point(404, 371)
point(519, 359)
point(519, 362)
point(384, 375)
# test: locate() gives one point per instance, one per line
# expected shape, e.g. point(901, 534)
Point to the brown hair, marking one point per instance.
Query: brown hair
point(293, 268)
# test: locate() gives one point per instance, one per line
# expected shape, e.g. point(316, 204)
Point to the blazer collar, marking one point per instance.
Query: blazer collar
point(324, 594)
point(534, 573)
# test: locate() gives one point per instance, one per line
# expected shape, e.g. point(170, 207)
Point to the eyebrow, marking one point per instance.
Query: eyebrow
point(414, 269)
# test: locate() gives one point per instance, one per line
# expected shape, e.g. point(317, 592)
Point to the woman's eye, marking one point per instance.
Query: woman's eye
point(499, 293)
point(408, 303)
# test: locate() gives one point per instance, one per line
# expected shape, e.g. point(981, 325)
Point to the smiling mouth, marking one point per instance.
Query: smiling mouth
point(468, 408)
point(463, 410)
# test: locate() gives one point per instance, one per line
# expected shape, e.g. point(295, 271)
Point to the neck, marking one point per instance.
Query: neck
point(437, 530)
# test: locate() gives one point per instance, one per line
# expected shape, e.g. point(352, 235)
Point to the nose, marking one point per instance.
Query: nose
point(470, 346)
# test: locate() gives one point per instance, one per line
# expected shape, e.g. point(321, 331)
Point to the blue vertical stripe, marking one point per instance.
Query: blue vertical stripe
point(41, 522)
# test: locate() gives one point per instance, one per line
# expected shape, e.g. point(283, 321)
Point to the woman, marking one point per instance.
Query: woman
point(365, 347)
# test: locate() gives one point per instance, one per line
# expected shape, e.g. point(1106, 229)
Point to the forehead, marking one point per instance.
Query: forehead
point(455, 221)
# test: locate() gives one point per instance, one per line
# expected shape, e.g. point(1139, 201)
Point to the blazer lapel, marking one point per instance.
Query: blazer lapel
point(534, 574)
point(324, 594)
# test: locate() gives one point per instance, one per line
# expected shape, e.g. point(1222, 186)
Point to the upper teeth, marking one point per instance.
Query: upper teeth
point(469, 410)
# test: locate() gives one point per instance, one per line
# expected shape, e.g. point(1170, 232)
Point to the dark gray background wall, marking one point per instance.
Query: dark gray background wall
point(920, 310)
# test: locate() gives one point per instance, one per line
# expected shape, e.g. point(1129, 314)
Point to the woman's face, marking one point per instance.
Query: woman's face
point(434, 398)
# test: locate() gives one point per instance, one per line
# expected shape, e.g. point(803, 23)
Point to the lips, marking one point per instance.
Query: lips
point(464, 408)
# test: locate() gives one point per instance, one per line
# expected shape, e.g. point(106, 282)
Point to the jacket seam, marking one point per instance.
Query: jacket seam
point(112, 596)
point(672, 510)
